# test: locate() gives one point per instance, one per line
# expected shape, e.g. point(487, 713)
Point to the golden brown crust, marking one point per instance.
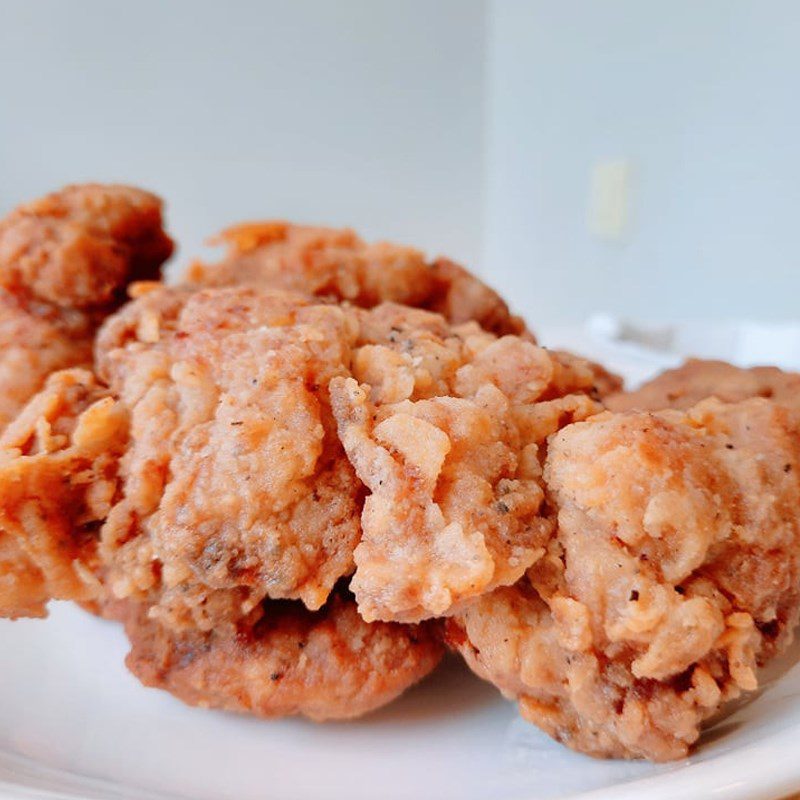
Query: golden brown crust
point(79, 247)
point(698, 379)
point(35, 340)
point(65, 260)
point(337, 264)
point(58, 463)
point(444, 424)
point(235, 483)
point(64, 263)
point(327, 664)
point(674, 571)
point(600, 382)
point(234, 486)
point(23, 589)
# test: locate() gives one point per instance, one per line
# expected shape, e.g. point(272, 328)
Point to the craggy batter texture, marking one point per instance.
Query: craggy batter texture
point(64, 263)
point(236, 484)
point(673, 573)
point(290, 474)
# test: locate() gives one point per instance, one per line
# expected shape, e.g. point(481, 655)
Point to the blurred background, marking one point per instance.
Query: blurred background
point(631, 157)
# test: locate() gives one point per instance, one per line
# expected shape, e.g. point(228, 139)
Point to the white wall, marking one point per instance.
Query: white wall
point(362, 112)
point(702, 97)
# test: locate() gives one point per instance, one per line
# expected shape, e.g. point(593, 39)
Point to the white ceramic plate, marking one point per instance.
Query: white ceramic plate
point(75, 724)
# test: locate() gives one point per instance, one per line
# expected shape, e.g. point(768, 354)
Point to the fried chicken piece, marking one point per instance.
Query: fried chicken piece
point(443, 424)
point(235, 484)
point(234, 487)
point(228, 391)
point(674, 572)
point(65, 260)
point(78, 248)
point(35, 340)
point(326, 664)
point(337, 264)
point(697, 379)
point(64, 263)
point(57, 482)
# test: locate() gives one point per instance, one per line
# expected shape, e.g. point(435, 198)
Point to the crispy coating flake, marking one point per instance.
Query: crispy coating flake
point(674, 572)
point(23, 590)
point(698, 379)
point(337, 264)
point(79, 247)
point(443, 424)
point(327, 664)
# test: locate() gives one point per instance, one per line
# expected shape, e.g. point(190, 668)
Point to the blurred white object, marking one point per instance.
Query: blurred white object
point(610, 199)
point(746, 343)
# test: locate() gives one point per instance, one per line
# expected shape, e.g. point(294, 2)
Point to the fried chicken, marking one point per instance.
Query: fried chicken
point(314, 411)
point(327, 664)
point(65, 260)
point(58, 463)
point(234, 486)
point(697, 379)
point(80, 247)
point(443, 425)
point(337, 264)
point(673, 573)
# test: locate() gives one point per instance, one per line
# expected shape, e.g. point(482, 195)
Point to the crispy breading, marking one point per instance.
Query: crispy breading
point(698, 379)
point(603, 382)
point(326, 664)
point(79, 247)
point(338, 264)
point(35, 340)
point(58, 463)
point(235, 482)
point(23, 590)
point(673, 573)
point(64, 262)
point(443, 424)
point(234, 486)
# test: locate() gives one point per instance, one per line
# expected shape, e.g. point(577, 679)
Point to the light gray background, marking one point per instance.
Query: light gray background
point(468, 127)
point(703, 98)
point(363, 113)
